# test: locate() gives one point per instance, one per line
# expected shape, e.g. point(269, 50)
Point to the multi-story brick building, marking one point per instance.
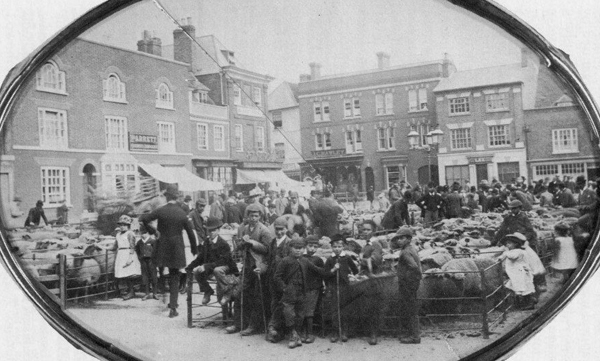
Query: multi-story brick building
point(243, 93)
point(355, 126)
point(90, 117)
point(284, 111)
point(481, 113)
point(558, 137)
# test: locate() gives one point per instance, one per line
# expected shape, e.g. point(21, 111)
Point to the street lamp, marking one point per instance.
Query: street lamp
point(413, 139)
point(434, 138)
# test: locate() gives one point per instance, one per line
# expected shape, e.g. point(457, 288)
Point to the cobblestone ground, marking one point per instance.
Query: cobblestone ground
point(143, 328)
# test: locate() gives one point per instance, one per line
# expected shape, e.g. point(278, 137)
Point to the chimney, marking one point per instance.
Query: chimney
point(383, 60)
point(315, 71)
point(447, 66)
point(304, 77)
point(184, 49)
point(150, 44)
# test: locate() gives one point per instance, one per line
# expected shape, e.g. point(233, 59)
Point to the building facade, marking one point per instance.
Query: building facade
point(354, 127)
point(91, 116)
point(284, 111)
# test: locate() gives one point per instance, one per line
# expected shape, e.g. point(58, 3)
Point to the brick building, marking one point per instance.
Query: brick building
point(90, 117)
point(355, 126)
point(481, 113)
point(284, 110)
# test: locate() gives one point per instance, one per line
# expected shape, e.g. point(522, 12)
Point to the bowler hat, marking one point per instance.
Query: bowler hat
point(172, 191)
point(213, 223)
point(187, 198)
point(515, 204)
point(39, 203)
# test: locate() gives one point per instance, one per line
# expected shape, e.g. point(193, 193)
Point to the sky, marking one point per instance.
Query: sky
point(281, 38)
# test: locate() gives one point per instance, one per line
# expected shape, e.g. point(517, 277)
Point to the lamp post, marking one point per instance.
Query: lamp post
point(434, 138)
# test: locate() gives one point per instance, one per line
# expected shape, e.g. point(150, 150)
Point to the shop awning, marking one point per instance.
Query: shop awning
point(186, 180)
point(275, 177)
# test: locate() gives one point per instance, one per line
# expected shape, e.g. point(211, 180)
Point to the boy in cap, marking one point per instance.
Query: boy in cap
point(338, 267)
point(314, 286)
point(291, 279)
point(145, 248)
point(409, 279)
point(214, 258)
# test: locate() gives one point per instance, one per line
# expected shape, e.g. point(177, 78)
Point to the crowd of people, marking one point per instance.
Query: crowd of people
point(281, 280)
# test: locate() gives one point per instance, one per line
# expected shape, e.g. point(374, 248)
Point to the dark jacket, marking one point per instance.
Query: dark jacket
point(288, 210)
point(213, 255)
point(198, 223)
point(431, 202)
point(453, 205)
point(146, 248)
point(170, 249)
point(314, 280)
point(409, 267)
point(256, 255)
point(289, 268)
point(396, 216)
point(34, 216)
point(233, 214)
point(519, 223)
point(278, 253)
point(347, 267)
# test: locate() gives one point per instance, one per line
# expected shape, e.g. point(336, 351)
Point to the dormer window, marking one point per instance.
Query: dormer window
point(164, 97)
point(49, 78)
point(113, 89)
point(199, 96)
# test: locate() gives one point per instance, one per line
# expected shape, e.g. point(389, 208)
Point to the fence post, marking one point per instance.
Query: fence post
point(62, 275)
point(484, 298)
point(190, 284)
point(105, 274)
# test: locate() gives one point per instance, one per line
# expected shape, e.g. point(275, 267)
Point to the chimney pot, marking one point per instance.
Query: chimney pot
point(315, 71)
point(383, 60)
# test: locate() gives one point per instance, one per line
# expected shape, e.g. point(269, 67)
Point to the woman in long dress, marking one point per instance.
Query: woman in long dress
point(127, 265)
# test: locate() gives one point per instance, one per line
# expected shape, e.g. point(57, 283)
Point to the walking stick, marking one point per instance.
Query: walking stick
point(337, 279)
point(262, 301)
point(242, 292)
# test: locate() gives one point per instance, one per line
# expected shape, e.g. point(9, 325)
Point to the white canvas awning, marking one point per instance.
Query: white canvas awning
point(186, 180)
point(275, 177)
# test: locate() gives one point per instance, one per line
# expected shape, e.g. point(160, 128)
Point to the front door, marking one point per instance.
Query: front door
point(482, 172)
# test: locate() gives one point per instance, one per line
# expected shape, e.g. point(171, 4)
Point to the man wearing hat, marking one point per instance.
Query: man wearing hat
point(431, 204)
point(279, 248)
point(516, 221)
point(254, 238)
point(170, 249)
point(214, 258)
point(36, 214)
point(198, 221)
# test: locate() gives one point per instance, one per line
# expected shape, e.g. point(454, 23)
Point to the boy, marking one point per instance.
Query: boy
point(409, 278)
point(145, 250)
point(314, 286)
point(339, 266)
point(279, 248)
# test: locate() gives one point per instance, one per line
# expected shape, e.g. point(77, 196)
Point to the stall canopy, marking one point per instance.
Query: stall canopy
point(275, 177)
point(186, 180)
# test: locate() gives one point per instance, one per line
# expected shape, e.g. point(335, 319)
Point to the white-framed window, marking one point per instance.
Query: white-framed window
point(49, 78)
point(423, 130)
point(384, 103)
point(257, 95)
point(321, 111)
point(55, 185)
point(498, 135)
point(572, 168)
point(166, 137)
point(546, 169)
point(457, 173)
point(202, 133)
point(260, 139)
point(417, 100)
point(392, 175)
point(351, 107)
point(459, 105)
point(461, 138)
point(221, 175)
point(199, 96)
point(353, 141)
point(322, 141)
point(164, 97)
point(385, 139)
point(52, 126)
point(219, 137)
point(113, 89)
point(239, 138)
point(237, 95)
point(496, 102)
point(119, 177)
point(564, 141)
point(115, 132)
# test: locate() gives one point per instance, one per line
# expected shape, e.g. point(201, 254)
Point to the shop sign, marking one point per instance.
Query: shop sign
point(328, 153)
point(143, 143)
point(480, 159)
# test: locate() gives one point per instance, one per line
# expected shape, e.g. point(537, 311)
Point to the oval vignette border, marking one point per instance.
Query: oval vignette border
point(557, 61)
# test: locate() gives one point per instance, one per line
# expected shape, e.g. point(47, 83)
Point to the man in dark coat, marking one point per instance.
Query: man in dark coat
point(564, 197)
point(214, 258)
point(232, 212)
point(431, 203)
point(36, 214)
point(326, 215)
point(454, 203)
point(197, 220)
point(516, 221)
point(396, 216)
point(170, 249)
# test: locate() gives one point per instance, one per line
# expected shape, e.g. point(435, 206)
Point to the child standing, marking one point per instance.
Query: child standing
point(314, 286)
point(409, 279)
point(518, 270)
point(565, 257)
point(145, 249)
point(127, 267)
point(339, 266)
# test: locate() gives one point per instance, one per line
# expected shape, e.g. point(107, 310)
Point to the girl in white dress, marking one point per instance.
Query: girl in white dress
point(564, 261)
point(127, 265)
point(518, 270)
